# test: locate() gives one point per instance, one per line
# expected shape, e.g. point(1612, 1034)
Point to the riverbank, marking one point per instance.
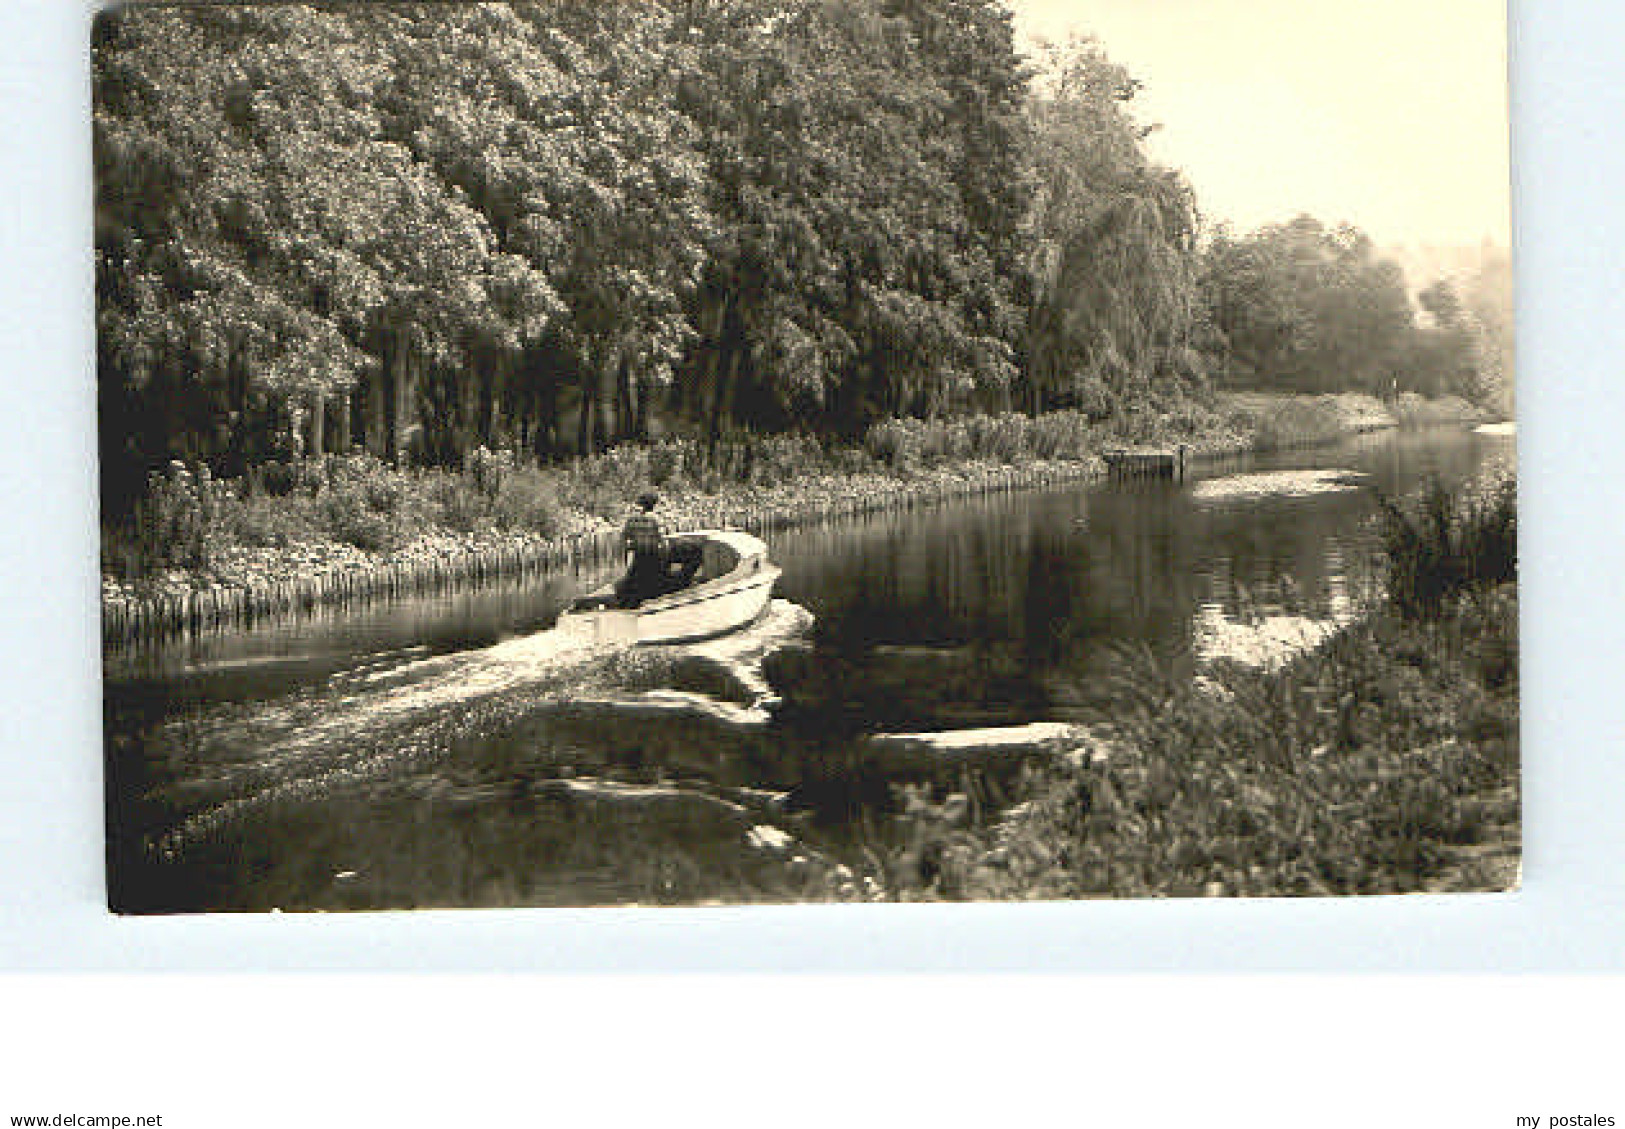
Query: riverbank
point(1385, 760)
point(205, 554)
point(1281, 421)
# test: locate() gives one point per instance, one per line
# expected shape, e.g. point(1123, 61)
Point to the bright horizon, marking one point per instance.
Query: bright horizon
point(1385, 114)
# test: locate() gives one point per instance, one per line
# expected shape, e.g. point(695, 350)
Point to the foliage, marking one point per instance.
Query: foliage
point(1298, 423)
point(423, 229)
point(1441, 545)
point(730, 242)
point(178, 522)
point(1488, 298)
point(865, 164)
point(1385, 761)
point(1412, 410)
point(910, 444)
point(265, 243)
point(1300, 307)
point(1113, 242)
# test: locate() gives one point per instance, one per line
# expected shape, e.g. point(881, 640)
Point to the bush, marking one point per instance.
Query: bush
point(1413, 410)
point(849, 460)
point(362, 528)
point(1134, 426)
point(182, 521)
point(1094, 399)
point(171, 518)
point(273, 478)
point(360, 502)
point(1000, 438)
point(1440, 544)
point(785, 458)
point(895, 443)
point(1061, 435)
point(458, 502)
point(1298, 423)
point(272, 523)
point(1365, 766)
point(604, 484)
point(668, 459)
point(528, 502)
point(488, 468)
point(945, 442)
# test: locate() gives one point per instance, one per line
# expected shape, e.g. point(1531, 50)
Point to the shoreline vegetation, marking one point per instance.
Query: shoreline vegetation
point(205, 553)
point(1385, 760)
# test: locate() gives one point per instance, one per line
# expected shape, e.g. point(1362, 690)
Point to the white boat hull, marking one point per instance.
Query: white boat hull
point(713, 607)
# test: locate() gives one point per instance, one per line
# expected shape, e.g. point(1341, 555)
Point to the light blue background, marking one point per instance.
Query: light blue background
point(1569, 154)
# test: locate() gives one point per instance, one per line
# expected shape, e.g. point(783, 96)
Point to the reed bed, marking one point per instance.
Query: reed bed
point(1442, 544)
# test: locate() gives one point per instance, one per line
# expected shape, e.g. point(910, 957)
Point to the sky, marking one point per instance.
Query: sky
point(1388, 114)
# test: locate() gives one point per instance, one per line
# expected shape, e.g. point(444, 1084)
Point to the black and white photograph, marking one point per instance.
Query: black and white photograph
point(741, 452)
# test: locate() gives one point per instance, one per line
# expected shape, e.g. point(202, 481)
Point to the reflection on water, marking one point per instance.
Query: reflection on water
point(1266, 485)
point(447, 750)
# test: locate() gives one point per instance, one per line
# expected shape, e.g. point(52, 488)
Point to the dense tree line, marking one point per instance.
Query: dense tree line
point(1302, 307)
point(421, 229)
point(445, 225)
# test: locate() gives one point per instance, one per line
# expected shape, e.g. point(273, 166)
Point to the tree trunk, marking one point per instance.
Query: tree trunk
point(395, 410)
point(391, 396)
point(342, 438)
point(722, 401)
point(623, 398)
point(237, 436)
point(318, 422)
point(589, 408)
point(607, 426)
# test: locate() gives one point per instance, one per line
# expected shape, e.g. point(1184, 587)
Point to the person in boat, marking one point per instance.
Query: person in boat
point(645, 545)
point(657, 564)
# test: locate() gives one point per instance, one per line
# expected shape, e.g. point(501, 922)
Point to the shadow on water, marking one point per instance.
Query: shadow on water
point(443, 751)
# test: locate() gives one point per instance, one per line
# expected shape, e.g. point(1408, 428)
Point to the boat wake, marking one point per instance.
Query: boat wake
point(384, 720)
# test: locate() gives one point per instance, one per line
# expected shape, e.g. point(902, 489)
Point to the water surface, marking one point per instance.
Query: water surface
point(449, 750)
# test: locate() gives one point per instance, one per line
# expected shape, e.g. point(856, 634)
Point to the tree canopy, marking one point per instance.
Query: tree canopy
point(1303, 307)
point(423, 228)
point(1113, 240)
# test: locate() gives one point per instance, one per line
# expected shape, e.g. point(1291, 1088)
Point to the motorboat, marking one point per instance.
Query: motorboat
point(730, 589)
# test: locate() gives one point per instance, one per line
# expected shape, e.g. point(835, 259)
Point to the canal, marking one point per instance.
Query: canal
point(449, 750)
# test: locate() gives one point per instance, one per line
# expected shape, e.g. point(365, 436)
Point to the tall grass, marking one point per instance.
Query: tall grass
point(1385, 762)
point(1298, 423)
point(1441, 543)
point(911, 444)
point(189, 521)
